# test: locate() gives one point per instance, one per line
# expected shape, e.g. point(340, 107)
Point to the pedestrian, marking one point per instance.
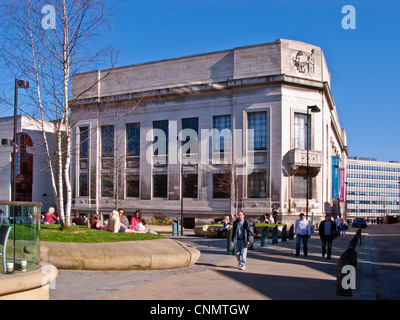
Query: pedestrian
point(327, 232)
point(337, 221)
point(225, 226)
point(303, 233)
point(343, 228)
point(241, 236)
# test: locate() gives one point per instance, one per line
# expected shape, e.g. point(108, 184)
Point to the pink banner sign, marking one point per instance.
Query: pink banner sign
point(341, 184)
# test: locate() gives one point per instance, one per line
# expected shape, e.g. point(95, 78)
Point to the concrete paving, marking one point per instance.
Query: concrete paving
point(272, 273)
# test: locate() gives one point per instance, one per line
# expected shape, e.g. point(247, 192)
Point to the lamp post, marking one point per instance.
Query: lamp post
point(25, 85)
point(313, 109)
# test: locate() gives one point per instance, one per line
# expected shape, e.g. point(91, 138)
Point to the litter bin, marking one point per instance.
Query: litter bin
point(175, 227)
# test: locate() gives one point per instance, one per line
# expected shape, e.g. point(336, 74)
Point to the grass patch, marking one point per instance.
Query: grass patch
point(82, 234)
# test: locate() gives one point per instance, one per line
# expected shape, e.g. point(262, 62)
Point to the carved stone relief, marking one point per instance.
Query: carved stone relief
point(303, 61)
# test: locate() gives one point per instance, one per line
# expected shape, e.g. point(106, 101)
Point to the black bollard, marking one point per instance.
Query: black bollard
point(291, 232)
point(284, 233)
point(275, 234)
point(251, 240)
point(346, 273)
point(264, 237)
point(230, 246)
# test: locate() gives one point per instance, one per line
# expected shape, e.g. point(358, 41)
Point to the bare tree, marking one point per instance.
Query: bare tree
point(46, 44)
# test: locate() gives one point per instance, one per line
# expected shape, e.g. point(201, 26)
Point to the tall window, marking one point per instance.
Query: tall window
point(222, 139)
point(193, 124)
point(23, 168)
point(133, 139)
point(257, 121)
point(107, 141)
point(300, 131)
point(161, 147)
point(83, 161)
point(83, 142)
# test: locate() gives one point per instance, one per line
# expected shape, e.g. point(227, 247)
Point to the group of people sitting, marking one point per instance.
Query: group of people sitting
point(118, 222)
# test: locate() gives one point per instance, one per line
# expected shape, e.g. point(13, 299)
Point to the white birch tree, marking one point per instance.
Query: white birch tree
point(45, 44)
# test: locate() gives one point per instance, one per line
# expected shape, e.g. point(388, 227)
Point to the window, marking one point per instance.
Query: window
point(222, 185)
point(257, 122)
point(160, 185)
point(300, 131)
point(222, 138)
point(23, 168)
point(300, 186)
point(132, 185)
point(107, 185)
point(257, 184)
point(190, 185)
point(133, 139)
point(161, 140)
point(83, 185)
point(83, 142)
point(193, 124)
point(107, 141)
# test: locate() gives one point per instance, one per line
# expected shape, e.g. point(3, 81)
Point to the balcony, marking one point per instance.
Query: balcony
point(298, 159)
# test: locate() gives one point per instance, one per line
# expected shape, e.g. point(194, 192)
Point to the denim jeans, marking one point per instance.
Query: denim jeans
point(300, 237)
point(327, 242)
point(241, 252)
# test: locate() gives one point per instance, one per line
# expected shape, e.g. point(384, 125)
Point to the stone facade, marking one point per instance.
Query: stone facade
point(266, 87)
point(40, 189)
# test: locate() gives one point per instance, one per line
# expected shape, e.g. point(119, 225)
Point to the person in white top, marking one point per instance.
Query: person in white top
point(303, 232)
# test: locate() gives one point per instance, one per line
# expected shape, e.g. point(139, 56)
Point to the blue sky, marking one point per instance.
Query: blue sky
point(364, 62)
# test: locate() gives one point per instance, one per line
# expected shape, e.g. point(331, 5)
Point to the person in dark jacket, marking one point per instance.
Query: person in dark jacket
point(242, 234)
point(327, 232)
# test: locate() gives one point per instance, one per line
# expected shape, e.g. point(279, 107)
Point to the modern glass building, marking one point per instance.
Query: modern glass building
point(373, 188)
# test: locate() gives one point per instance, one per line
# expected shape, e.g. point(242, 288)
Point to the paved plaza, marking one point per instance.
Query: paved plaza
point(272, 273)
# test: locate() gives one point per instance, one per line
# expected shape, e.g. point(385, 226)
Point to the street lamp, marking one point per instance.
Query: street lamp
point(24, 85)
point(313, 109)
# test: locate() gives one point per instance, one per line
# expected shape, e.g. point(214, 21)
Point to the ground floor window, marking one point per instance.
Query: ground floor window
point(222, 185)
point(160, 185)
point(257, 184)
point(300, 186)
point(190, 185)
point(132, 185)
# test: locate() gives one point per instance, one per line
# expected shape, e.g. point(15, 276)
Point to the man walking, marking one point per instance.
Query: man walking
point(327, 232)
point(303, 233)
point(241, 237)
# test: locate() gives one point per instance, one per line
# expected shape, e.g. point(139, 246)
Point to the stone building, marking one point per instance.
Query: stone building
point(33, 181)
point(241, 118)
